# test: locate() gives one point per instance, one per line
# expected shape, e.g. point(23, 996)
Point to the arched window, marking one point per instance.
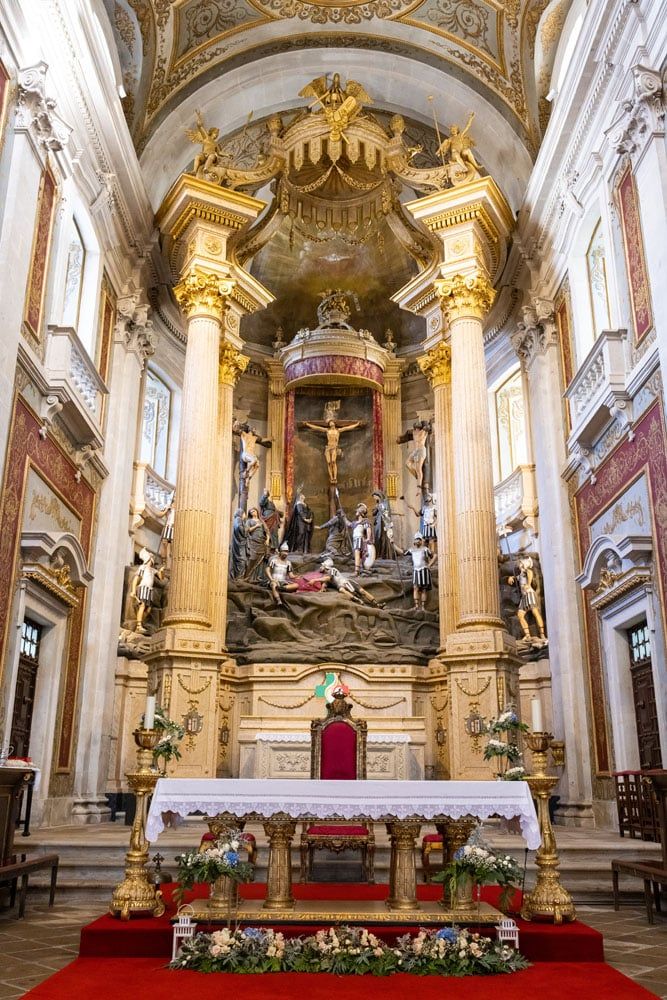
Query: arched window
point(596, 265)
point(510, 425)
point(155, 423)
point(76, 262)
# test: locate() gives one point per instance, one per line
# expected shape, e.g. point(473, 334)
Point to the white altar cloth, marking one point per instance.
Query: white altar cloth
point(317, 799)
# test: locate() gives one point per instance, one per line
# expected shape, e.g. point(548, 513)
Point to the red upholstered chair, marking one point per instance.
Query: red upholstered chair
point(338, 752)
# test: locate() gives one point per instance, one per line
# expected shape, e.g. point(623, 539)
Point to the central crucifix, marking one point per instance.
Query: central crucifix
point(333, 428)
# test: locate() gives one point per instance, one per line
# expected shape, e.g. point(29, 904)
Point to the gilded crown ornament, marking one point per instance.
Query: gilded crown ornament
point(339, 105)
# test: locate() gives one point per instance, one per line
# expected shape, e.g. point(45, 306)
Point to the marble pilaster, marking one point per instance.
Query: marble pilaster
point(536, 343)
point(133, 343)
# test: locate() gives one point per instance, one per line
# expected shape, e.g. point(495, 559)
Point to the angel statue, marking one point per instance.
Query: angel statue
point(340, 105)
point(456, 152)
point(210, 159)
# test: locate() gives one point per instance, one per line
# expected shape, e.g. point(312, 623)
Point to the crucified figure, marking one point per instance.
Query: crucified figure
point(417, 457)
point(333, 432)
point(249, 460)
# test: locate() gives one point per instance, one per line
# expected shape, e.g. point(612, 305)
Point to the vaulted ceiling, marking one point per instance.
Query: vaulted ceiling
point(171, 48)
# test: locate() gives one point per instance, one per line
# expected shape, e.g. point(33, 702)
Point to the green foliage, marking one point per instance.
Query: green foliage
point(349, 951)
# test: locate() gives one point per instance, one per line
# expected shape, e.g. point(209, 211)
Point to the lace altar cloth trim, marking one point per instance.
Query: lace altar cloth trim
point(305, 738)
point(347, 800)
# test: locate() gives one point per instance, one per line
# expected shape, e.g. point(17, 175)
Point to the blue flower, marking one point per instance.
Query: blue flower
point(231, 857)
point(458, 854)
point(447, 933)
point(254, 933)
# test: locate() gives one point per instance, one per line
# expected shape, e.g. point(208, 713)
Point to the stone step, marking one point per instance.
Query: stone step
point(92, 858)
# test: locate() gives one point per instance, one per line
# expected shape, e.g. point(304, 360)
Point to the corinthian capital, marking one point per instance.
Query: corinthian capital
point(203, 293)
point(436, 365)
point(461, 296)
point(536, 330)
point(232, 364)
point(35, 112)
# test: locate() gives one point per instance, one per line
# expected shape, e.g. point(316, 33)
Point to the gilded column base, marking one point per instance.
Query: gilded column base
point(403, 873)
point(279, 829)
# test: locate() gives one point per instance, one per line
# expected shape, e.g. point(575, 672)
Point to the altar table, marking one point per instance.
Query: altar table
point(402, 805)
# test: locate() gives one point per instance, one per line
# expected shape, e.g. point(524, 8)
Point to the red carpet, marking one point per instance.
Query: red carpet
point(139, 978)
point(151, 938)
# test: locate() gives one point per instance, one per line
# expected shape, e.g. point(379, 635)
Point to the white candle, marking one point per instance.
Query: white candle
point(536, 715)
point(149, 714)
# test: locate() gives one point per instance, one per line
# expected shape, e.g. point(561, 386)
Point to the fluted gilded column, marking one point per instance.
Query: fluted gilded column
point(465, 302)
point(203, 297)
point(231, 366)
point(276, 428)
point(476, 671)
point(436, 364)
point(198, 221)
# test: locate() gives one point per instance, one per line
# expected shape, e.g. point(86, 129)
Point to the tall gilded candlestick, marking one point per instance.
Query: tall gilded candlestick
point(136, 894)
point(548, 900)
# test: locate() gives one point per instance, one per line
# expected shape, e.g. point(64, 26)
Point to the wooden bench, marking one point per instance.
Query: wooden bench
point(10, 874)
point(652, 874)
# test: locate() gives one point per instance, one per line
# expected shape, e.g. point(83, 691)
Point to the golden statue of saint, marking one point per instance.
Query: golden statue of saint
point(211, 155)
point(456, 152)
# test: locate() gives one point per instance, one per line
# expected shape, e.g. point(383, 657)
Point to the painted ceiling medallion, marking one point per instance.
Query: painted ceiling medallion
point(336, 11)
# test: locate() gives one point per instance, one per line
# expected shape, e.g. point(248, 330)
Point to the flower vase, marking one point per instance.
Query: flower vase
point(224, 898)
point(464, 902)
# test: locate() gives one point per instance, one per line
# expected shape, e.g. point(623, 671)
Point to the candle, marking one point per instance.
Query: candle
point(149, 714)
point(536, 715)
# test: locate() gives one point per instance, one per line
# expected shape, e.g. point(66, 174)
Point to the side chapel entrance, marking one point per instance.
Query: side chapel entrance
point(646, 712)
point(26, 682)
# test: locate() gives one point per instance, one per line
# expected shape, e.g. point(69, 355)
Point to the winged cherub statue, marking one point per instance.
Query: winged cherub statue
point(211, 155)
point(457, 154)
point(339, 105)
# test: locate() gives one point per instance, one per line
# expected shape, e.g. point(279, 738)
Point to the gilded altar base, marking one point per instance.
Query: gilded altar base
point(313, 911)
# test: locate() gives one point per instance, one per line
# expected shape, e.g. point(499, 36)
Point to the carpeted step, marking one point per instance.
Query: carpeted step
point(152, 937)
point(139, 978)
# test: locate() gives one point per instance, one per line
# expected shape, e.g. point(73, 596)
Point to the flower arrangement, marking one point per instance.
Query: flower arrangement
point(478, 864)
point(222, 858)
point(171, 734)
point(349, 951)
point(506, 751)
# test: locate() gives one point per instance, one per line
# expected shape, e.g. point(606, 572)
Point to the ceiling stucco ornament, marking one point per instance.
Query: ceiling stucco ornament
point(335, 12)
point(185, 43)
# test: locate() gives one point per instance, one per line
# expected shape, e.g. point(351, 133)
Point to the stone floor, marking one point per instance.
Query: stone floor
point(34, 948)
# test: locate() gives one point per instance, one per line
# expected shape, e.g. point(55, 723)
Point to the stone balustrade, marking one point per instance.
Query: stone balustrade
point(151, 496)
point(75, 383)
point(515, 497)
point(598, 392)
